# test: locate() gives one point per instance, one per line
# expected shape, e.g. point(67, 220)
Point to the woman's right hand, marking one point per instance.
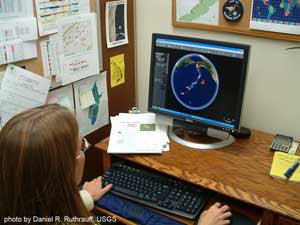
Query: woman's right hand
point(94, 187)
point(216, 215)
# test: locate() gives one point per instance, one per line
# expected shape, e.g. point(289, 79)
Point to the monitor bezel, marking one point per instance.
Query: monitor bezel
point(241, 91)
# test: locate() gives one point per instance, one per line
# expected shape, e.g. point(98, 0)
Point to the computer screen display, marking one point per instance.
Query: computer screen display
point(199, 81)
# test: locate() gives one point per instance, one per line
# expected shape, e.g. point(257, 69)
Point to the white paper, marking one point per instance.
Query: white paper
point(50, 12)
point(129, 136)
point(96, 116)
point(1, 78)
point(16, 8)
point(62, 96)
point(116, 23)
point(78, 41)
point(57, 52)
point(21, 90)
point(49, 57)
point(20, 28)
point(17, 50)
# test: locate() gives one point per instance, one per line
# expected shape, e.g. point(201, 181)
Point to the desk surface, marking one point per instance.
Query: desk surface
point(240, 171)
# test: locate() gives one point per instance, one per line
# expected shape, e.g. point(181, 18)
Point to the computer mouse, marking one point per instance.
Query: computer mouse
point(240, 219)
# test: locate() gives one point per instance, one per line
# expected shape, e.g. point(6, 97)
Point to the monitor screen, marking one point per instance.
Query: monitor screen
point(199, 81)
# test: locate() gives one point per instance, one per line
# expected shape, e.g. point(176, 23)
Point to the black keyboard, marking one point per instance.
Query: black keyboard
point(153, 189)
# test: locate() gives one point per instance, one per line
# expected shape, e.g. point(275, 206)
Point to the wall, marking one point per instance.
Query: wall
point(271, 102)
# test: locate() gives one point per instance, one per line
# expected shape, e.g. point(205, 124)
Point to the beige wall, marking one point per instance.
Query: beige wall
point(271, 102)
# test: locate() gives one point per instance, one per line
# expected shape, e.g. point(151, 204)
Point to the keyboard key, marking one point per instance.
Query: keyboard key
point(125, 191)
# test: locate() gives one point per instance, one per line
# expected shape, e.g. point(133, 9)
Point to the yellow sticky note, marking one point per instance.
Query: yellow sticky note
point(117, 70)
point(86, 99)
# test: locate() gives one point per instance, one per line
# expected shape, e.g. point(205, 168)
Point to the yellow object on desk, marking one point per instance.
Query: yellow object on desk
point(281, 163)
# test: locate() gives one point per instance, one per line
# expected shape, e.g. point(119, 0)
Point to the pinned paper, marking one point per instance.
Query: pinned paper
point(95, 116)
point(1, 76)
point(79, 56)
point(116, 23)
point(117, 70)
point(87, 99)
point(65, 102)
point(21, 90)
point(62, 96)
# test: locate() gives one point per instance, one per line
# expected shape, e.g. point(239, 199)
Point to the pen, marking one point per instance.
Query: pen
point(291, 169)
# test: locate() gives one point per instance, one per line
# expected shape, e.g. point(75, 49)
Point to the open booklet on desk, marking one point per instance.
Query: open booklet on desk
point(137, 133)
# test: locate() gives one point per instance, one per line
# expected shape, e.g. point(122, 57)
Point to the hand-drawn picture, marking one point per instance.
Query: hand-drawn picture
point(116, 23)
point(77, 37)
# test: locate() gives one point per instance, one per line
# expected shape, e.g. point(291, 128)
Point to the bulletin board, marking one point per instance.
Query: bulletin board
point(35, 65)
point(241, 26)
point(120, 98)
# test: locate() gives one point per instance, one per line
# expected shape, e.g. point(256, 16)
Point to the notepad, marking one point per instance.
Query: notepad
point(281, 162)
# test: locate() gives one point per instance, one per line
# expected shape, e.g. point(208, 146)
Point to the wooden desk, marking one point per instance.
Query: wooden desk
point(240, 171)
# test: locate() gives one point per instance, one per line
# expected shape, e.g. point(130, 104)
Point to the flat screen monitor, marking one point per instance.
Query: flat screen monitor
point(198, 81)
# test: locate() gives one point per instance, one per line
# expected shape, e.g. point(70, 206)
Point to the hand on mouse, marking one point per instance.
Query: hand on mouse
point(94, 187)
point(216, 215)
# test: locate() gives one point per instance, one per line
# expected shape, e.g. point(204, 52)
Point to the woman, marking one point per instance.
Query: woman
point(41, 165)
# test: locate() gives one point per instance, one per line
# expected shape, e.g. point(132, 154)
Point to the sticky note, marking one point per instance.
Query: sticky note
point(87, 99)
point(117, 70)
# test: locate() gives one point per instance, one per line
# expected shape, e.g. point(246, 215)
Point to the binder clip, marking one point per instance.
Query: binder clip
point(134, 110)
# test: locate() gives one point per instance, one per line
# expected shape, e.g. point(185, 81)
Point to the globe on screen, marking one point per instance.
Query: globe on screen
point(195, 81)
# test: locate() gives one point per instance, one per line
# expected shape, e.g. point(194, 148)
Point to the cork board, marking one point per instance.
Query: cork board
point(241, 26)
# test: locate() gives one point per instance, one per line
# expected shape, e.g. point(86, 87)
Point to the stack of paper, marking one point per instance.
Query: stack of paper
point(137, 133)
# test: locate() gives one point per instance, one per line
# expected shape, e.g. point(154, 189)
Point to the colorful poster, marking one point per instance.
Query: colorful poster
point(117, 70)
point(50, 12)
point(116, 23)
point(276, 15)
point(198, 11)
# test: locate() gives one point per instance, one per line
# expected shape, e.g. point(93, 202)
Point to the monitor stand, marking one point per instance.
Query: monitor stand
point(224, 138)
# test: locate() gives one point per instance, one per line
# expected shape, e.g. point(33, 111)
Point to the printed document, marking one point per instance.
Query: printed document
point(50, 12)
point(16, 8)
point(137, 133)
point(19, 28)
point(17, 50)
point(21, 90)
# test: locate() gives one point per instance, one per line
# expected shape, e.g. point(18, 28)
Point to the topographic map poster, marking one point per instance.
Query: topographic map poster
point(276, 15)
point(78, 42)
point(96, 115)
point(198, 11)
